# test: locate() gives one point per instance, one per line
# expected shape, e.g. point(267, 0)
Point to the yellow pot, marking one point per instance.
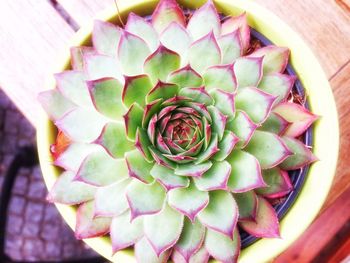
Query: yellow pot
point(320, 98)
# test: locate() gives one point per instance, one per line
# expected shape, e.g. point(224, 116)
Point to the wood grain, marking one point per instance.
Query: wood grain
point(32, 34)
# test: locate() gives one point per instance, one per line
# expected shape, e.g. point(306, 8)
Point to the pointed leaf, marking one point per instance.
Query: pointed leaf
point(167, 177)
point(218, 121)
point(248, 71)
point(245, 172)
point(226, 145)
point(215, 178)
point(105, 37)
point(238, 22)
point(299, 117)
point(124, 232)
point(136, 89)
point(188, 201)
point(191, 239)
point(204, 53)
point(151, 109)
point(224, 102)
point(185, 77)
point(144, 199)
point(159, 239)
point(266, 142)
point(69, 192)
point(195, 170)
point(200, 256)
point(231, 47)
point(140, 27)
point(161, 159)
point(197, 94)
point(247, 205)
point(138, 167)
point(87, 226)
point(220, 77)
point(256, 103)
point(162, 91)
point(275, 124)
point(106, 95)
point(77, 55)
point(100, 169)
point(110, 201)
point(301, 157)
point(132, 52)
point(143, 143)
point(160, 63)
point(55, 104)
point(72, 85)
point(81, 125)
point(275, 58)
point(278, 181)
point(277, 84)
point(203, 21)
point(101, 66)
point(209, 151)
point(166, 12)
point(221, 214)
point(133, 120)
point(242, 127)
point(266, 221)
point(221, 247)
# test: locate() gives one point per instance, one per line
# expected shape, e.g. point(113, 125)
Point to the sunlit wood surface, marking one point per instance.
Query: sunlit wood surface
point(34, 32)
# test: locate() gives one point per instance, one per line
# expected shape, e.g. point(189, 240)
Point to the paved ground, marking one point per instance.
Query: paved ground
point(35, 231)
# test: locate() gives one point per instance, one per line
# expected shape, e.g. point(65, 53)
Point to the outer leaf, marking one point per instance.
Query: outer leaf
point(266, 221)
point(77, 56)
point(72, 85)
point(136, 89)
point(218, 121)
point(224, 101)
point(176, 38)
point(113, 139)
point(195, 170)
point(204, 20)
point(278, 183)
point(220, 77)
point(204, 53)
point(266, 142)
point(302, 155)
point(188, 201)
point(144, 199)
point(191, 239)
point(247, 205)
point(160, 63)
point(215, 178)
point(110, 201)
point(105, 37)
point(87, 226)
point(275, 124)
point(166, 12)
point(197, 94)
point(185, 77)
point(81, 125)
point(138, 167)
point(133, 120)
point(144, 253)
point(256, 103)
point(162, 91)
point(221, 247)
point(55, 105)
point(238, 22)
point(248, 71)
point(66, 191)
point(132, 52)
point(140, 27)
point(201, 256)
point(221, 214)
point(231, 47)
point(167, 177)
point(277, 84)
point(226, 145)
point(124, 232)
point(101, 66)
point(100, 169)
point(159, 239)
point(106, 95)
point(299, 117)
point(275, 58)
point(245, 172)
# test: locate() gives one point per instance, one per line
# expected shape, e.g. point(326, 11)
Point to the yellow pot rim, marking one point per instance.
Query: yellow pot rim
point(320, 98)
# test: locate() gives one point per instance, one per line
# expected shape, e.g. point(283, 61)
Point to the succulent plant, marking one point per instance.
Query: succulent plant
point(173, 132)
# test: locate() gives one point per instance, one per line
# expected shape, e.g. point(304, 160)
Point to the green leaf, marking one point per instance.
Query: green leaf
point(133, 120)
point(224, 102)
point(218, 121)
point(136, 89)
point(105, 37)
point(215, 178)
point(247, 205)
point(195, 170)
point(275, 124)
point(248, 71)
point(144, 253)
point(220, 77)
point(166, 177)
point(197, 94)
point(185, 77)
point(162, 91)
point(209, 151)
point(231, 47)
point(138, 167)
point(226, 145)
point(143, 143)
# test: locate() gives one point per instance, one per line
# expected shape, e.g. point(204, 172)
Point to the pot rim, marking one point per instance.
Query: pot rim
point(320, 98)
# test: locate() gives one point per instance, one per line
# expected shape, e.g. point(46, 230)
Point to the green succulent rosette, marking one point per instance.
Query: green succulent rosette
point(175, 135)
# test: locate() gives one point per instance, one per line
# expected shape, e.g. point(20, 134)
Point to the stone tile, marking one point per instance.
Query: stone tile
point(17, 204)
point(14, 225)
point(37, 190)
point(21, 185)
point(34, 212)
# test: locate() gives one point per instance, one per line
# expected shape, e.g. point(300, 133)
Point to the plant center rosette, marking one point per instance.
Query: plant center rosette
point(173, 132)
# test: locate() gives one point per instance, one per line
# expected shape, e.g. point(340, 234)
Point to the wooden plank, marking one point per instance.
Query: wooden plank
point(320, 242)
point(322, 23)
point(32, 34)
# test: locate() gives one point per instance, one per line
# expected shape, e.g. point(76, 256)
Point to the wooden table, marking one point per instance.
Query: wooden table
point(34, 32)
